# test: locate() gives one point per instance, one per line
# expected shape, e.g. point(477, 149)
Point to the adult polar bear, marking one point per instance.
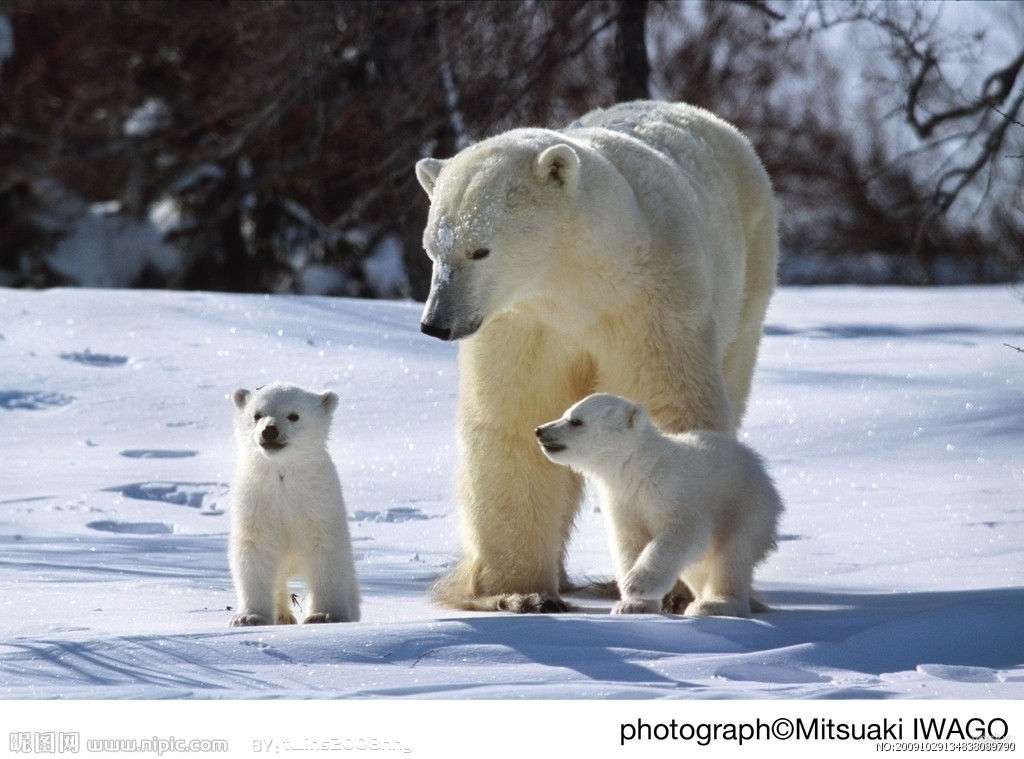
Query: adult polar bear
point(633, 253)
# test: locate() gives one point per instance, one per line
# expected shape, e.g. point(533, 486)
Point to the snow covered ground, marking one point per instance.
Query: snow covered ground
point(892, 420)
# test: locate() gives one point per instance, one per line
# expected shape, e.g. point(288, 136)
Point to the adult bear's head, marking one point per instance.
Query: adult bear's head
point(498, 213)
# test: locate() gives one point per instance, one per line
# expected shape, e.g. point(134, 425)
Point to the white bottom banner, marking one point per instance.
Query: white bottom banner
point(533, 729)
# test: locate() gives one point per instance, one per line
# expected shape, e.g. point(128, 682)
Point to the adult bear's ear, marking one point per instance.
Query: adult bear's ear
point(427, 170)
point(240, 397)
point(560, 165)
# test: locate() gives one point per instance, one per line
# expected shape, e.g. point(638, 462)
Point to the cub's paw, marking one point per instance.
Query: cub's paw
point(531, 603)
point(284, 618)
point(732, 607)
point(637, 606)
point(639, 583)
point(248, 620)
point(323, 617)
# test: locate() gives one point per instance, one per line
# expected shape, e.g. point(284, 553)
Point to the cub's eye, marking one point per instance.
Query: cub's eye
point(257, 417)
point(575, 422)
point(293, 417)
point(479, 253)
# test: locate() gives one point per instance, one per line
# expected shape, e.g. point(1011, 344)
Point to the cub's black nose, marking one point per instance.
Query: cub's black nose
point(538, 432)
point(269, 432)
point(442, 333)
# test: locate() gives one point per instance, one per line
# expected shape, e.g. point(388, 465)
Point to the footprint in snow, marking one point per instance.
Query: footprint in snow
point(101, 360)
point(144, 453)
point(395, 515)
point(195, 495)
point(263, 648)
point(131, 528)
point(32, 400)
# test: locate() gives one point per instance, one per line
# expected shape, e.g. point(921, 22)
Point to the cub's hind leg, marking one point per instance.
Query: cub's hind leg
point(728, 573)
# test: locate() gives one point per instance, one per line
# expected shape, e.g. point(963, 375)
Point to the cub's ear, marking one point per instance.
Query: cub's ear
point(559, 165)
point(427, 170)
point(329, 400)
point(240, 397)
point(634, 415)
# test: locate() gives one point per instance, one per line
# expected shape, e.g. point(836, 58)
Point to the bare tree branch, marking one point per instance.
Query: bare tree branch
point(761, 6)
point(1003, 79)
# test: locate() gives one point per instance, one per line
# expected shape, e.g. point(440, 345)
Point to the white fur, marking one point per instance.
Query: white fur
point(697, 506)
point(287, 513)
point(634, 253)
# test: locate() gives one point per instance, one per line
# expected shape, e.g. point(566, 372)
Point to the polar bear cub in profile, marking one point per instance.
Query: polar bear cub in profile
point(697, 506)
point(287, 512)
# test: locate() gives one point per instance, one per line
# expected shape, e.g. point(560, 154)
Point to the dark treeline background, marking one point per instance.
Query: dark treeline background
point(269, 146)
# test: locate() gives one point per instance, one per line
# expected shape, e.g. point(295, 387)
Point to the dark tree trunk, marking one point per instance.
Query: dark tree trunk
point(632, 70)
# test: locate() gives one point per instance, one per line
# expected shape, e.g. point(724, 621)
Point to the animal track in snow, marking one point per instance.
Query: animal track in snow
point(191, 494)
point(131, 528)
point(32, 400)
point(155, 453)
point(100, 360)
point(397, 514)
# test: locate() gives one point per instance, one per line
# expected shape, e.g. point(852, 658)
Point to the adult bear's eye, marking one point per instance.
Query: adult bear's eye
point(257, 417)
point(293, 417)
point(575, 422)
point(479, 253)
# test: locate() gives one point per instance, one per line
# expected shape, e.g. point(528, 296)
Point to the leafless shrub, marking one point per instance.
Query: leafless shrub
point(289, 129)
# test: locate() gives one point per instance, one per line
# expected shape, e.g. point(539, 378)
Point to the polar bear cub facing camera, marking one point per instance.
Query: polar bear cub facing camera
point(697, 506)
point(287, 512)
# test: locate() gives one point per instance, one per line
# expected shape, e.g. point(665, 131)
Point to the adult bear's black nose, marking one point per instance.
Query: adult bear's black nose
point(269, 432)
point(442, 333)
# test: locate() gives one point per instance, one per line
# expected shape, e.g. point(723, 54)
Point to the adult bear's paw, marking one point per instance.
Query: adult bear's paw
point(531, 603)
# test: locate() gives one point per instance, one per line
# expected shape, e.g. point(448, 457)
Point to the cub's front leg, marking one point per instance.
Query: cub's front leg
point(262, 599)
point(656, 570)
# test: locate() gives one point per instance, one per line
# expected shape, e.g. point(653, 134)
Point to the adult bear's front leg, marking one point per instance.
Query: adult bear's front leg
point(516, 507)
point(516, 514)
